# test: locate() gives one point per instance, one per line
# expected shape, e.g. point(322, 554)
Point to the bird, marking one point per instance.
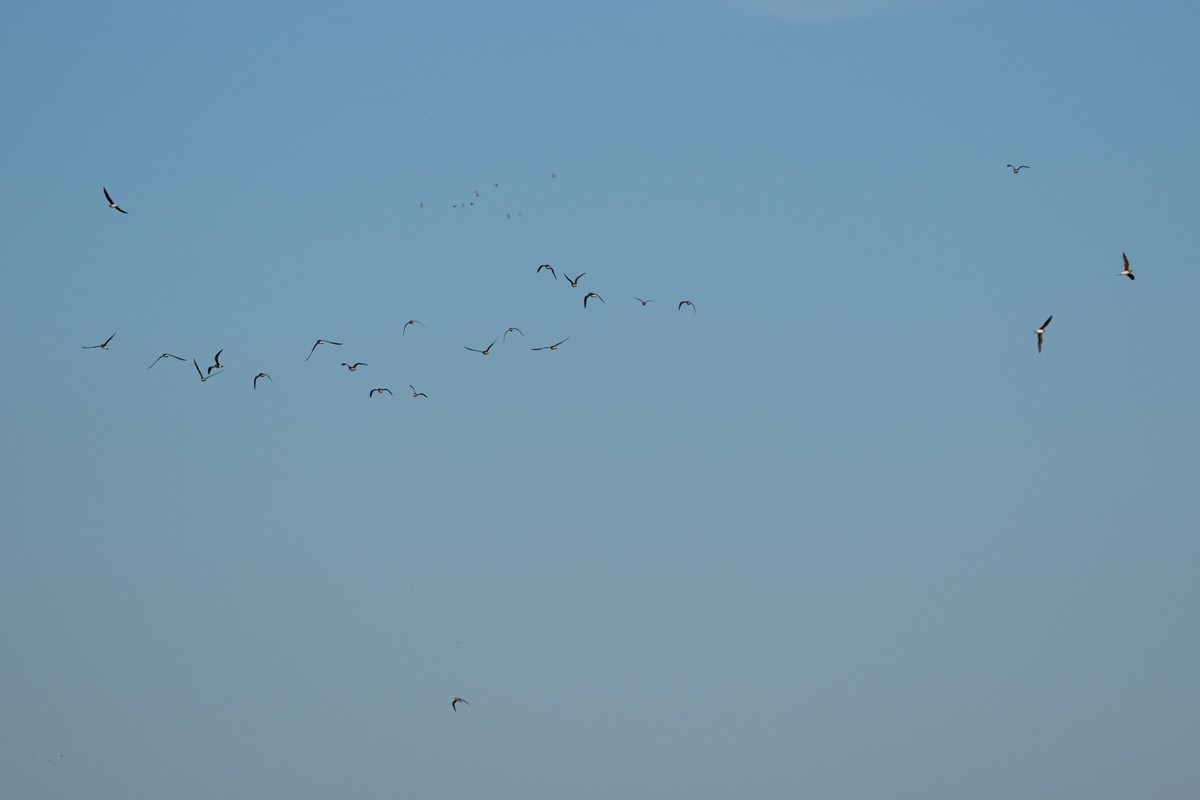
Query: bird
point(592, 294)
point(1018, 169)
point(510, 330)
point(454, 703)
point(203, 377)
point(643, 302)
point(550, 346)
point(547, 266)
point(373, 391)
point(416, 393)
point(355, 365)
point(411, 322)
point(1127, 272)
point(574, 283)
point(103, 346)
point(262, 375)
point(166, 355)
point(485, 351)
point(320, 342)
point(1040, 331)
point(111, 204)
point(217, 361)
point(683, 303)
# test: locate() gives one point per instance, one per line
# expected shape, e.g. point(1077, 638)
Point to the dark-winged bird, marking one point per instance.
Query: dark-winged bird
point(320, 342)
point(547, 266)
point(203, 377)
point(1127, 272)
point(1042, 330)
point(454, 703)
point(592, 294)
point(111, 204)
point(411, 322)
point(262, 375)
point(643, 302)
point(373, 391)
point(355, 365)
point(510, 330)
point(574, 283)
point(550, 346)
point(1018, 169)
point(683, 303)
point(217, 361)
point(166, 355)
point(102, 346)
point(416, 393)
point(485, 351)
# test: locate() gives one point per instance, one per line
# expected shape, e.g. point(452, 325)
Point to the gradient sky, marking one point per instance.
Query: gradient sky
point(842, 533)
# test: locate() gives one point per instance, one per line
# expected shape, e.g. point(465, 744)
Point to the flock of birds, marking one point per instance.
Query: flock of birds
point(216, 368)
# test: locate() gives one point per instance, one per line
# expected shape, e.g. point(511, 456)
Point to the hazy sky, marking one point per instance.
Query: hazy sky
point(841, 533)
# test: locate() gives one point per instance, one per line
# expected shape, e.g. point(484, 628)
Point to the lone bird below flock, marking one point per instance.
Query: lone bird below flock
point(111, 204)
point(1127, 272)
point(1018, 169)
point(1042, 330)
point(102, 346)
point(592, 294)
point(262, 375)
point(321, 342)
point(454, 703)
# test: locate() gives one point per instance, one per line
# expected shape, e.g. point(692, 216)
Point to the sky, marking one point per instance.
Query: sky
point(841, 532)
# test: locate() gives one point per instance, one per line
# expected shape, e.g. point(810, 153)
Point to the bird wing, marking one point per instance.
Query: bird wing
point(1046, 324)
point(160, 358)
point(314, 348)
point(107, 196)
point(1126, 258)
point(109, 339)
point(197, 366)
point(472, 349)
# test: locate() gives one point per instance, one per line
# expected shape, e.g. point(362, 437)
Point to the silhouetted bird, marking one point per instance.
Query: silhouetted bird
point(320, 342)
point(1127, 272)
point(166, 355)
point(103, 346)
point(1042, 330)
point(111, 204)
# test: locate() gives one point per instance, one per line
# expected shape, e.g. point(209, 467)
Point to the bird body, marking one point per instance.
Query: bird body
point(217, 361)
point(1127, 272)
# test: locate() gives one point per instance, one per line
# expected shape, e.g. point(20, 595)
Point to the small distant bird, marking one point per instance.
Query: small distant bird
point(103, 346)
point(1018, 169)
point(420, 205)
point(166, 355)
point(476, 191)
point(1042, 330)
point(592, 294)
point(643, 302)
point(574, 283)
point(550, 346)
point(217, 361)
point(552, 175)
point(373, 391)
point(1127, 272)
point(683, 303)
point(411, 322)
point(416, 393)
point(454, 703)
point(262, 375)
point(510, 330)
point(321, 342)
point(496, 185)
point(111, 204)
point(355, 365)
point(203, 377)
point(484, 351)
point(547, 266)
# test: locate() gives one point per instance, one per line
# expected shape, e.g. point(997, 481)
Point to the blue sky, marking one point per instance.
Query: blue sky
point(843, 532)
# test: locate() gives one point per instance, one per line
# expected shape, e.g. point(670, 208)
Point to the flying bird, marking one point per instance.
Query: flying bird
point(203, 377)
point(321, 342)
point(103, 346)
point(373, 391)
point(1127, 272)
point(262, 375)
point(1018, 169)
point(547, 266)
point(683, 303)
point(416, 393)
point(484, 351)
point(1042, 330)
point(111, 204)
point(574, 283)
point(166, 355)
point(454, 703)
point(592, 294)
point(643, 302)
point(510, 330)
point(355, 365)
point(217, 361)
point(550, 346)
point(411, 322)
